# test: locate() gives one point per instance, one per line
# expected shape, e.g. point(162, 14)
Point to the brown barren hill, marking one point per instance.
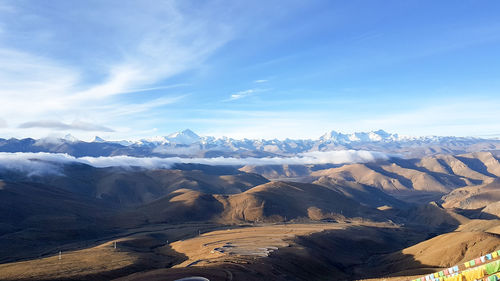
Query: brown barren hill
point(483, 162)
point(279, 201)
point(473, 197)
point(182, 205)
point(421, 181)
point(134, 186)
point(145, 186)
point(433, 215)
point(492, 209)
point(279, 171)
point(432, 255)
point(364, 194)
point(458, 165)
point(271, 202)
point(363, 174)
point(388, 177)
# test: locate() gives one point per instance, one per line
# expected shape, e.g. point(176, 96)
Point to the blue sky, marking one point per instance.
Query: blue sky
point(255, 69)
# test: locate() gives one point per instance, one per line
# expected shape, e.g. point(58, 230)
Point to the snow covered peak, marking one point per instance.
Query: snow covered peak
point(98, 139)
point(373, 136)
point(154, 140)
point(184, 137)
point(382, 133)
point(70, 138)
point(334, 136)
point(186, 132)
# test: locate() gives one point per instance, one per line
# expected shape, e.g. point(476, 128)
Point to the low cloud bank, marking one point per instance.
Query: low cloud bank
point(34, 163)
point(51, 163)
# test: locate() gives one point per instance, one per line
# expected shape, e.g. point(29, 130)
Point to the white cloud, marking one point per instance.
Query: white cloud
point(49, 163)
point(245, 93)
point(117, 110)
point(31, 85)
point(50, 140)
point(241, 94)
point(34, 163)
point(3, 123)
point(35, 85)
point(156, 88)
point(56, 125)
point(260, 81)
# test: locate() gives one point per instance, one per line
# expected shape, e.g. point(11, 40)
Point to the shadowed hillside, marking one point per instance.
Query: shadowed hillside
point(134, 186)
point(432, 255)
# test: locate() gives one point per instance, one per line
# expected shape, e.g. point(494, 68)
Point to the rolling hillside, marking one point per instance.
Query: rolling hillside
point(280, 201)
point(439, 174)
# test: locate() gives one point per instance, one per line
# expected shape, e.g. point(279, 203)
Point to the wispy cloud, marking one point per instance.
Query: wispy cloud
point(34, 85)
point(31, 85)
point(241, 94)
point(119, 109)
point(244, 94)
point(260, 81)
point(56, 125)
point(156, 88)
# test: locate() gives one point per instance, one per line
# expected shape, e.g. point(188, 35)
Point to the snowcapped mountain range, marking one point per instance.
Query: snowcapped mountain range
point(187, 137)
point(186, 143)
point(374, 136)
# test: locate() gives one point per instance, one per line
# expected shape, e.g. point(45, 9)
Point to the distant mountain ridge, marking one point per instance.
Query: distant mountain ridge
point(373, 136)
point(187, 143)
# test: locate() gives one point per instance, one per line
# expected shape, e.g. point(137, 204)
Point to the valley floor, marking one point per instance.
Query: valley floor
point(355, 250)
point(297, 251)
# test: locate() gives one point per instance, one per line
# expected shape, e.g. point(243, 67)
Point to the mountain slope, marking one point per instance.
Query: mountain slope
point(460, 168)
point(442, 251)
point(473, 197)
point(278, 171)
point(36, 217)
point(270, 202)
point(135, 186)
point(364, 194)
point(364, 174)
point(278, 201)
point(180, 206)
point(432, 215)
point(438, 174)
